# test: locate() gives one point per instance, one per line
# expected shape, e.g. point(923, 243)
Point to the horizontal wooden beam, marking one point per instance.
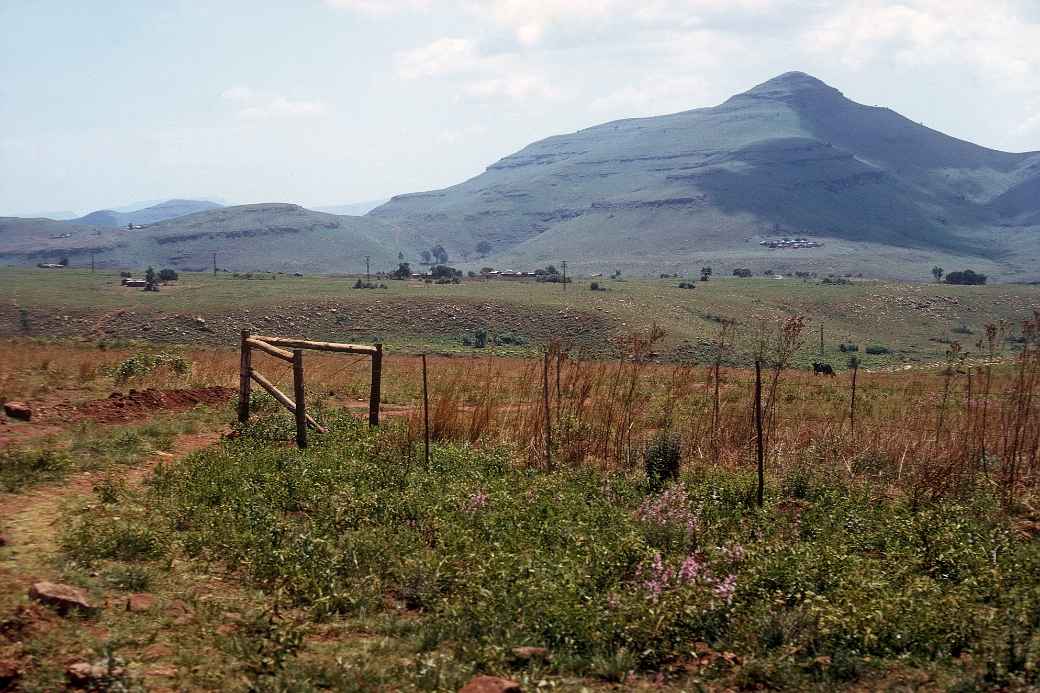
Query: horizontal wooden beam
point(293, 343)
point(270, 349)
point(280, 396)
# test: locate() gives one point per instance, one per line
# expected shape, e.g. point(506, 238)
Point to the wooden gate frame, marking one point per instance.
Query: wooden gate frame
point(297, 405)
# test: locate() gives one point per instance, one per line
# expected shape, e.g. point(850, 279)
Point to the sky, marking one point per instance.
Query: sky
point(324, 102)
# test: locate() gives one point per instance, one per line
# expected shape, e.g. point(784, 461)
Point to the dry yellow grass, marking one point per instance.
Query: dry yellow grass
point(920, 432)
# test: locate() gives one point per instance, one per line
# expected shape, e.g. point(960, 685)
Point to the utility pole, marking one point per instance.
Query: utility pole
point(821, 339)
point(92, 263)
point(214, 264)
point(368, 279)
point(563, 264)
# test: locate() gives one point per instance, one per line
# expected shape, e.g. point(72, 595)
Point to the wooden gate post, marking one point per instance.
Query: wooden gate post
point(426, 413)
point(245, 365)
point(298, 393)
point(374, 394)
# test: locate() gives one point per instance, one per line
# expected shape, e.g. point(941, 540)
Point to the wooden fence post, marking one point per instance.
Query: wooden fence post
point(426, 411)
point(758, 433)
point(298, 393)
point(374, 394)
point(548, 421)
point(245, 364)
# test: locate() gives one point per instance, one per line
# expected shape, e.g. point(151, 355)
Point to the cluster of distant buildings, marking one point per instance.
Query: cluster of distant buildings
point(510, 274)
point(790, 243)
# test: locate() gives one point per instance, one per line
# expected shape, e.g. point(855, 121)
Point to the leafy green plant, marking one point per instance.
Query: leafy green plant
point(143, 364)
point(662, 459)
point(22, 467)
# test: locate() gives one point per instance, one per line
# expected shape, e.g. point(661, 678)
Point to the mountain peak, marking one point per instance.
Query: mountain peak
point(790, 84)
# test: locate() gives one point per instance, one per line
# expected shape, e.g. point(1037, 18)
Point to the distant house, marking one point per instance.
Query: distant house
point(135, 283)
point(50, 265)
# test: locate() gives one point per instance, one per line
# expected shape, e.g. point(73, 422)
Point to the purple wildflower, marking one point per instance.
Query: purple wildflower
point(477, 501)
point(690, 569)
point(655, 577)
point(670, 509)
point(725, 588)
point(734, 552)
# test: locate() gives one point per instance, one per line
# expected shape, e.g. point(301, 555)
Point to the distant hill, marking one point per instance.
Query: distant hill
point(793, 156)
point(353, 208)
point(276, 237)
point(170, 209)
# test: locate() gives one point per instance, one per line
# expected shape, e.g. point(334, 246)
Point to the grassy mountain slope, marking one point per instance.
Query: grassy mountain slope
point(279, 237)
point(791, 156)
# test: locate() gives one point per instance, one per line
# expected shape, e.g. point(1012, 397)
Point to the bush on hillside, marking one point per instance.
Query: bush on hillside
point(965, 277)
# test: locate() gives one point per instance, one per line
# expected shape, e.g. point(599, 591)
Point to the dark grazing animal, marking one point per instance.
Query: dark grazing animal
point(824, 368)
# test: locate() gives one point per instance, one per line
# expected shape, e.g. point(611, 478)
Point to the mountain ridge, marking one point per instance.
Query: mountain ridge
point(791, 155)
point(169, 209)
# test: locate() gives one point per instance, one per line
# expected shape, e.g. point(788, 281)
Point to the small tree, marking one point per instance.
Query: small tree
point(937, 272)
point(705, 273)
point(403, 271)
point(64, 262)
point(439, 254)
point(149, 275)
point(167, 275)
point(662, 459)
point(965, 277)
point(426, 257)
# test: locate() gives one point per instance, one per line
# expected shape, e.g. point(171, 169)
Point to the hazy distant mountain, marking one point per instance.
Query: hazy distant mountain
point(170, 209)
point(278, 237)
point(791, 156)
point(57, 215)
point(356, 209)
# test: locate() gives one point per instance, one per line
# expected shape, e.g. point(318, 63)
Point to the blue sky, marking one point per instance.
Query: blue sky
point(323, 102)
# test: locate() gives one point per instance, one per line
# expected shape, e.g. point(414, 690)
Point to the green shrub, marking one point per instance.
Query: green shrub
point(94, 538)
point(877, 349)
point(23, 467)
point(511, 339)
point(662, 459)
point(144, 364)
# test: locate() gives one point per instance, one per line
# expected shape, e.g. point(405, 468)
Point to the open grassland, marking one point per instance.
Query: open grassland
point(602, 512)
point(913, 322)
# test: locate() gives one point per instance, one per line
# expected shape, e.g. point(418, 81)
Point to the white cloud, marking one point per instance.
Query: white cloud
point(254, 105)
point(651, 96)
point(988, 38)
point(515, 87)
point(444, 56)
point(281, 107)
point(237, 93)
point(480, 76)
point(378, 7)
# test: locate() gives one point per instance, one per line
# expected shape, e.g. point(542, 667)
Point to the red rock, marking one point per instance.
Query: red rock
point(140, 601)
point(18, 410)
point(156, 651)
point(91, 676)
point(491, 684)
point(165, 671)
point(62, 597)
point(10, 671)
point(528, 653)
point(4, 541)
